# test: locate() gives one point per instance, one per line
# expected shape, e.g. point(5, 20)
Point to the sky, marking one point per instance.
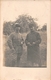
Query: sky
point(10, 10)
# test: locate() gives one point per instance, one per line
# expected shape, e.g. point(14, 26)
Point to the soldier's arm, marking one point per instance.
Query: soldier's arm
point(22, 40)
point(9, 41)
point(27, 41)
point(38, 39)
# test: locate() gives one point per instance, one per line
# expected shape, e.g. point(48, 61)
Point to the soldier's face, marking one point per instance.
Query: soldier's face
point(32, 28)
point(17, 28)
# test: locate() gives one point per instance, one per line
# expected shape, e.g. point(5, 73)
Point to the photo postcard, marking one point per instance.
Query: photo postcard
point(25, 40)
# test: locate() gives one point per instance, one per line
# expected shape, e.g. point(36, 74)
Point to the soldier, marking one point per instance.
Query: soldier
point(15, 42)
point(32, 42)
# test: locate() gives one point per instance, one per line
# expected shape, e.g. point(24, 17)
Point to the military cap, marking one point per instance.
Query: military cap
point(17, 25)
point(31, 25)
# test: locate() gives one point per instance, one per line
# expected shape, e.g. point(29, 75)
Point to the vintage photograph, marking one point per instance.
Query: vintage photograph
point(25, 34)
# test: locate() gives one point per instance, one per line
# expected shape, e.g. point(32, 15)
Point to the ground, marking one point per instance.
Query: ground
point(10, 57)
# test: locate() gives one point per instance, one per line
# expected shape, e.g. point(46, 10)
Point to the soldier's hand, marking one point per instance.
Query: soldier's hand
point(33, 42)
point(29, 44)
point(21, 42)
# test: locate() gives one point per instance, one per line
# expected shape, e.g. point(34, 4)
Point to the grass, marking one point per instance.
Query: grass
point(10, 57)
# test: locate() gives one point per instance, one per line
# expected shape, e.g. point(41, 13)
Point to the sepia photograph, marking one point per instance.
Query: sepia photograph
point(25, 35)
point(25, 40)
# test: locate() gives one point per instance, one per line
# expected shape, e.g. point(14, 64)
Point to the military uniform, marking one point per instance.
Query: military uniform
point(33, 50)
point(15, 41)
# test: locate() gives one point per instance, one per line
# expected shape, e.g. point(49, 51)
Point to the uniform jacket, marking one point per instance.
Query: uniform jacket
point(33, 50)
point(14, 41)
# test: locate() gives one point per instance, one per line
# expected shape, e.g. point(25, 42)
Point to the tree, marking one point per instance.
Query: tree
point(44, 28)
point(7, 28)
point(23, 20)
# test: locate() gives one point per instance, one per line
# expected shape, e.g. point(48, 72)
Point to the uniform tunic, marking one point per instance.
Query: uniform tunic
point(14, 41)
point(33, 51)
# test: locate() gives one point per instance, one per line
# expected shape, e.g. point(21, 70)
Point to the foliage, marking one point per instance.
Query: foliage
point(23, 20)
point(44, 28)
point(7, 28)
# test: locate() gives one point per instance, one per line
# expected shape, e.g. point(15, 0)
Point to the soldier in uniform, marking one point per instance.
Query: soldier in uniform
point(32, 41)
point(15, 42)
